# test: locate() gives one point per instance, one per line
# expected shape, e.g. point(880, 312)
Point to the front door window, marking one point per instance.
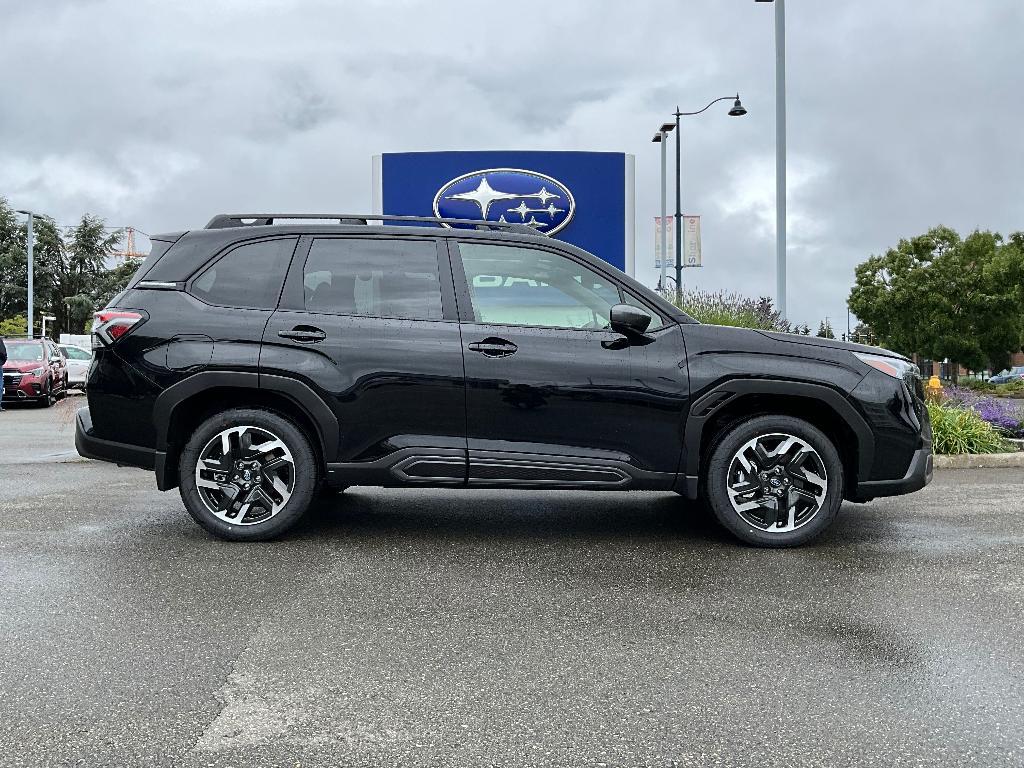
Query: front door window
point(517, 285)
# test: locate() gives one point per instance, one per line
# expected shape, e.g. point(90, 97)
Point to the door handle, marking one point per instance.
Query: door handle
point(303, 333)
point(492, 347)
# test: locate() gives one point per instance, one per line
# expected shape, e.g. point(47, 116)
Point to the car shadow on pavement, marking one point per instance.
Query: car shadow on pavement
point(559, 516)
point(522, 515)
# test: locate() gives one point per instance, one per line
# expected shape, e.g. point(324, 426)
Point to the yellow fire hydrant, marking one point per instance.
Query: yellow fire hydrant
point(933, 388)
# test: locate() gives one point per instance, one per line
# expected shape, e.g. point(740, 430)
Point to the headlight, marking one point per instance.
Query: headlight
point(890, 366)
point(36, 372)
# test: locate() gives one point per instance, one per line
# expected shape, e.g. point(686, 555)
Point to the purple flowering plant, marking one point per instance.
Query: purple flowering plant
point(1004, 414)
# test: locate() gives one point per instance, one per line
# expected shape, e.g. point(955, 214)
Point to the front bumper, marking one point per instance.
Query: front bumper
point(122, 454)
point(918, 475)
point(20, 386)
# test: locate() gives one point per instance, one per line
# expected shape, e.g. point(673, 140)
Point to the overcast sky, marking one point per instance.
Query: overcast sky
point(902, 115)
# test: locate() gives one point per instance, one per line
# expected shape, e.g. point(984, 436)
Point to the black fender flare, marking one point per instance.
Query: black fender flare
point(705, 407)
point(318, 412)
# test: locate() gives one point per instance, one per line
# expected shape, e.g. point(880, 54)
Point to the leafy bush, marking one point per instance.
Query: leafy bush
point(13, 326)
point(1015, 387)
point(1005, 415)
point(957, 429)
point(976, 384)
point(721, 308)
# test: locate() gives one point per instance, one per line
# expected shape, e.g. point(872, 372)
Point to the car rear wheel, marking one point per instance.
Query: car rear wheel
point(774, 481)
point(247, 475)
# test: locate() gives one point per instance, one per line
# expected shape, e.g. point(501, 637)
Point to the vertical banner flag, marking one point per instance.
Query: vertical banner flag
point(670, 235)
point(691, 241)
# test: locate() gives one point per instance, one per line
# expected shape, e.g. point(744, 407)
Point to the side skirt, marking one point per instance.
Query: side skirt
point(497, 469)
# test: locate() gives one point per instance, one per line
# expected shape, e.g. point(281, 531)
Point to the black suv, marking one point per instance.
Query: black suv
point(266, 358)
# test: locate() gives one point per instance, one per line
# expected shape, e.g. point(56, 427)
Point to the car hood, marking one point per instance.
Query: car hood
point(20, 366)
point(817, 341)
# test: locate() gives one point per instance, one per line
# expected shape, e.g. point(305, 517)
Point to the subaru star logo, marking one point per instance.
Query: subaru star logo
point(507, 195)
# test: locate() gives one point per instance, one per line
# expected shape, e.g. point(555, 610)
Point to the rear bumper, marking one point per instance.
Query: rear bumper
point(918, 475)
point(122, 454)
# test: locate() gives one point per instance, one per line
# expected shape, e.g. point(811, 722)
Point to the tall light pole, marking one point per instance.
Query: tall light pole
point(780, 154)
point(31, 270)
point(659, 138)
point(736, 111)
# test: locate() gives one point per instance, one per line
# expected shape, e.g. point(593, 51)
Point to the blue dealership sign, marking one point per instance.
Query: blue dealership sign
point(584, 198)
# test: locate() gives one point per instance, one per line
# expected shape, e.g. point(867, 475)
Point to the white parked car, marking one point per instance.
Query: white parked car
point(79, 359)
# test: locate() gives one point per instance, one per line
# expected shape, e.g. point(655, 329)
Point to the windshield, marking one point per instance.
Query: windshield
point(24, 352)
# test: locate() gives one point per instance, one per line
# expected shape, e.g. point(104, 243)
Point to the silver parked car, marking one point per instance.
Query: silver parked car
point(79, 360)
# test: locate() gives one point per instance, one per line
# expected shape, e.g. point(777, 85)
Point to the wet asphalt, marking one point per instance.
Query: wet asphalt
point(448, 628)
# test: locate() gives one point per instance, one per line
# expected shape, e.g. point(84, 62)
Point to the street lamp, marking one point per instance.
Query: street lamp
point(737, 110)
point(780, 154)
point(659, 138)
point(31, 270)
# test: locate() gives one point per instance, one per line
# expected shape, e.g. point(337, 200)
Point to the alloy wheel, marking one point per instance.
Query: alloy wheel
point(777, 482)
point(245, 475)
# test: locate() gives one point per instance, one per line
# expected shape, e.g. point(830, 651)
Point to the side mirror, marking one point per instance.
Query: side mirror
point(629, 320)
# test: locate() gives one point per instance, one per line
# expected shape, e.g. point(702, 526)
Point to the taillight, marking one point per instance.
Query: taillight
point(109, 325)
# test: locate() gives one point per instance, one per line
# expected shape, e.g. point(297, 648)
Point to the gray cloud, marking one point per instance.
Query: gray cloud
point(901, 115)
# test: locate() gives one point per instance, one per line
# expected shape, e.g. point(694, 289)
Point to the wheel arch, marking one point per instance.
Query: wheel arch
point(733, 401)
point(182, 407)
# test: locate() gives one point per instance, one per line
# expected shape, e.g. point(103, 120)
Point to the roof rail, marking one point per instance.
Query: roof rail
point(224, 220)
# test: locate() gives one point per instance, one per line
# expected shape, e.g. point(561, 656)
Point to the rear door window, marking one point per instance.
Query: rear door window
point(249, 275)
point(373, 277)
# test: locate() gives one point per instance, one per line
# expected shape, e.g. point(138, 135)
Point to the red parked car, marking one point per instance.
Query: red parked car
point(35, 370)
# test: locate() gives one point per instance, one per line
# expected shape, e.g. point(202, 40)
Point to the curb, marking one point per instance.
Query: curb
point(980, 460)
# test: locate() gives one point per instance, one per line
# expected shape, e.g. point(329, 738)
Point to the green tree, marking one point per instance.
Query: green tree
point(13, 274)
point(112, 281)
point(48, 247)
point(825, 330)
point(13, 326)
point(70, 277)
point(946, 297)
point(79, 271)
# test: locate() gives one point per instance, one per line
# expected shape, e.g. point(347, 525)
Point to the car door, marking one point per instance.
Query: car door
point(370, 324)
point(78, 363)
point(553, 396)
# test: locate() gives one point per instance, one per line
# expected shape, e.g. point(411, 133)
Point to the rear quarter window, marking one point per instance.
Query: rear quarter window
point(247, 276)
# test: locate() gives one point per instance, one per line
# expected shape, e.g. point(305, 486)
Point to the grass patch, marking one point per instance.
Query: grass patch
point(956, 429)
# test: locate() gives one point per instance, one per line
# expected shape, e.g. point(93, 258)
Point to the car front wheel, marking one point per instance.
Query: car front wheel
point(774, 481)
point(247, 474)
point(47, 399)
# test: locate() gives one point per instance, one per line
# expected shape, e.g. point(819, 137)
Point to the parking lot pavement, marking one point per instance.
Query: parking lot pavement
point(496, 628)
point(30, 434)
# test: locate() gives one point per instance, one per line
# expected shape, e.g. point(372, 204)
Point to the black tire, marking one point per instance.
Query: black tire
point(716, 480)
point(305, 482)
point(46, 399)
point(63, 389)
